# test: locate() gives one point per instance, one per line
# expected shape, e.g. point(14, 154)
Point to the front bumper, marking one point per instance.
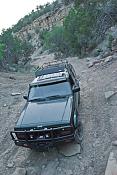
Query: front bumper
point(42, 142)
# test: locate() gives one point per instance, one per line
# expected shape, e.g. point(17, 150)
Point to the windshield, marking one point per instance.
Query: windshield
point(51, 90)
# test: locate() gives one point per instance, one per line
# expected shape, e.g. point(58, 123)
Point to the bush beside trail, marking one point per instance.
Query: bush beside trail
point(12, 49)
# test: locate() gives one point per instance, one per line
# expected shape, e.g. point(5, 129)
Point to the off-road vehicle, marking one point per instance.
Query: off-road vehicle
point(50, 114)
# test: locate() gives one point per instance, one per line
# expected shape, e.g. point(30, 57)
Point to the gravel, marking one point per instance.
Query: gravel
point(97, 115)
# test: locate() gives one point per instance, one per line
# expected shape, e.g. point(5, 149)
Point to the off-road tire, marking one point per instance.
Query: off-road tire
point(78, 136)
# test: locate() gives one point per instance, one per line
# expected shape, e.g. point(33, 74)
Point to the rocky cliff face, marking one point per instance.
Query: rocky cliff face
point(45, 22)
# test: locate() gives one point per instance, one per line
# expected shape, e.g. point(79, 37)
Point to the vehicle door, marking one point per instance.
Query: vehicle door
point(75, 83)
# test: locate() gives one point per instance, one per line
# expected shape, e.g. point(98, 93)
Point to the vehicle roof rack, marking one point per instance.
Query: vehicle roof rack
point(56, 62)
point(52, 67)
point(54, 77)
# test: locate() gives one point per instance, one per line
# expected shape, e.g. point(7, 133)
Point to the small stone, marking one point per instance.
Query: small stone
point(13, 69)
point(114, 143)
point(28, 162)
point(115, 88)
point(16, 93)
point(102, 63)
point(12, 78)
point(90, 64)
point(115, 56)
point(109, 94)
point(80, 157)
point(10, 165)
point(106, 54)
point(108, 59)
point(69, 172)
point(84, 71)
point(20, 171)
point(111, 120)
point(88, 58)
point(97, 64)
point(43, 166)
point(59, 169)
point(82, 168)
point(4, 105)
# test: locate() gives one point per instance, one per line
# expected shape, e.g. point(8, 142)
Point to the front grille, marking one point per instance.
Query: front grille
point(48, 133)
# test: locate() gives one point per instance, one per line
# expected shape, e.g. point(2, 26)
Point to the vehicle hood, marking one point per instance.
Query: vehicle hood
point(39, 114)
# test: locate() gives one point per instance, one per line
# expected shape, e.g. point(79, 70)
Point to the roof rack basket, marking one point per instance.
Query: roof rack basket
point(54, 63)
point(53, 67)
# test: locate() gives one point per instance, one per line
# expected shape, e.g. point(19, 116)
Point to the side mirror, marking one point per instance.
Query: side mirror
point(25, 97)
point(76, 89)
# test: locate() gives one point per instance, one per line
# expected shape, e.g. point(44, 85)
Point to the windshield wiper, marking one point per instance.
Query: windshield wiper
point(55, 96)
point(37, 99)
point(49, 97)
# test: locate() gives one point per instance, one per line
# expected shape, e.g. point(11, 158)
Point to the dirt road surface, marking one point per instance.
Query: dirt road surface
point(98, 115)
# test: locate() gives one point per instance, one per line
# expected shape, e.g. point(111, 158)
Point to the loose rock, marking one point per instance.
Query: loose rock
point(70, 149)
point(108, 59)
point(10, 165)
point(88, 58)
point(90, 64)
point(69, 172)
point(20, 171)
point(114, 143)
point(111, 168)
point(115, 56)
point(4, 105)
point(15, 94)
point(109, 94)
point(12, 78)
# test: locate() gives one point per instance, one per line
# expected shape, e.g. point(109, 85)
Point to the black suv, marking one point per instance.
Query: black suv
point(50, 114)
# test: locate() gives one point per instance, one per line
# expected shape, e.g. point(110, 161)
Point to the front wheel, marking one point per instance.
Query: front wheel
point(78, 136)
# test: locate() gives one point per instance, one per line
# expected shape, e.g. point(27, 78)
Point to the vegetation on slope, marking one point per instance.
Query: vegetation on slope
point(83, 28)
point(12, 49)
point(40, 10)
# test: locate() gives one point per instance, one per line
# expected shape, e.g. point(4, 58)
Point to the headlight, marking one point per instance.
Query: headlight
point(21, 136)
point(65, 131)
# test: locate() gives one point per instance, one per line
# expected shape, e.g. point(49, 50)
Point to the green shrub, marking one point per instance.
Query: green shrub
point(2, 49)
point(110, 40)
point(76, 37)
point(13, 49)
point(56, 41)
point(80, 28)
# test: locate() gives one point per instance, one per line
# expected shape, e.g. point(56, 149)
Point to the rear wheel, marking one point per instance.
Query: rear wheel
point(78, 136)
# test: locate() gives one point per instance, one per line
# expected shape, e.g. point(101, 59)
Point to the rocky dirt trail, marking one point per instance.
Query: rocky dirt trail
point(98, 114)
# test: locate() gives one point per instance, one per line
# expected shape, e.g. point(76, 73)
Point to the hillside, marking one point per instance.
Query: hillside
point(21, 40)
point(85, 33)
point(66, 28)
point(45, 22)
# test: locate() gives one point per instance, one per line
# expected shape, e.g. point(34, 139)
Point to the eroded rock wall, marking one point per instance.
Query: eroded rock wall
point(44, 22)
